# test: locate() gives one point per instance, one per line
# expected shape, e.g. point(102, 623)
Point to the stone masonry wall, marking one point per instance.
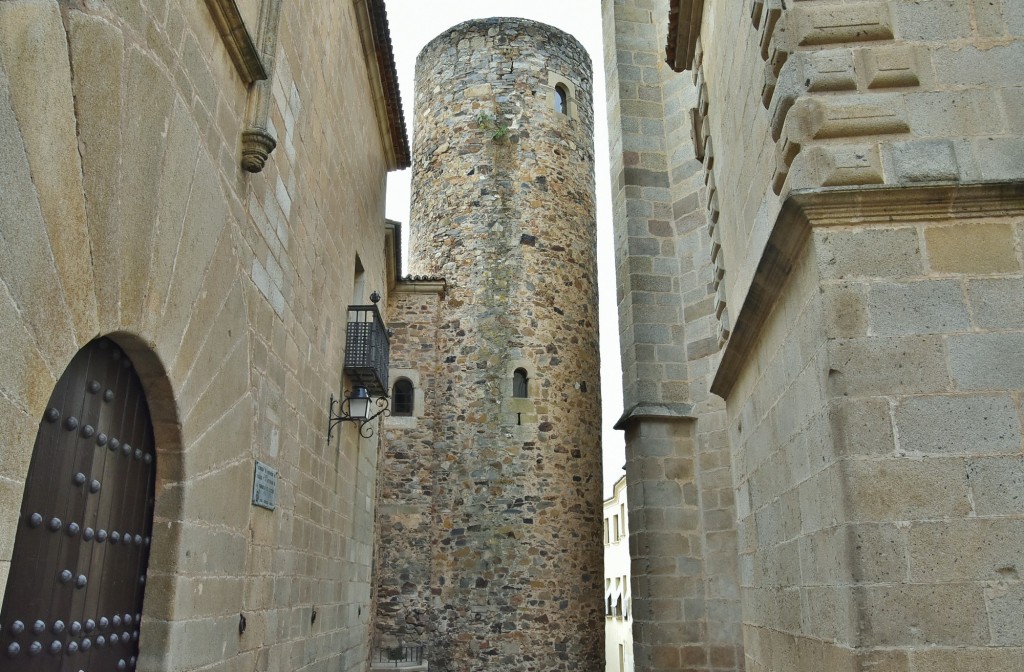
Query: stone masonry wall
point(886, 133)
point(405, 522)
point(125, 213)
point(878, 445)
point(793, 555)
point(846, 94)
point(861, 191)
point(928, 359)
point(503, 209)
point(683, 535)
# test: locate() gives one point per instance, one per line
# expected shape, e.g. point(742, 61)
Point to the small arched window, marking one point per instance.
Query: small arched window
point(402, 398)
point(561, 99)
point(520, 384)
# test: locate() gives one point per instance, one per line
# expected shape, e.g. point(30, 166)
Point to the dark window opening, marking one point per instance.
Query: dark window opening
point(561, 99)
point(402, 398)
point(520, 384)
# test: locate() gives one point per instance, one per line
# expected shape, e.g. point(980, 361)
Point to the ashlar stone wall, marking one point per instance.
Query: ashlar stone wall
point(858, 185)
point(868, 190)
point(125, 213)
point(840, 94)
point(681, 504)
point(879, 442)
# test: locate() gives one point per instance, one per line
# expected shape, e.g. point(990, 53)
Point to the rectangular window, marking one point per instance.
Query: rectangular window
point(616, 527)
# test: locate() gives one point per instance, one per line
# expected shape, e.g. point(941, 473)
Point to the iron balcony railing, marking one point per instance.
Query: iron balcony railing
point(398, 655)
point(367, 350)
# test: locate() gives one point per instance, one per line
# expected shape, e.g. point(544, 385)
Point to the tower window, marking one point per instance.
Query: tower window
point(520, 384)
point(402, 398)
point(561, 99)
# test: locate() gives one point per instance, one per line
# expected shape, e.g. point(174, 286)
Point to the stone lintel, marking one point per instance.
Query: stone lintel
point(421, 285)
point(865, 206)
point(653, 410)
point(239, 43)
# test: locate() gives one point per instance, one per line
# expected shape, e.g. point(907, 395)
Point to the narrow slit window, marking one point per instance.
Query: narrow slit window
point(561, 99)
point(520, 384)
point(402, 398)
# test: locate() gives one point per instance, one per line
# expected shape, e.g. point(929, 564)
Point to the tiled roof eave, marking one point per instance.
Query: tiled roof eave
point(389, 82)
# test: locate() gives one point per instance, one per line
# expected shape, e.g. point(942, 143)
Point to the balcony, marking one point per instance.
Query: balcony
point(404, 657)
point(367, 350)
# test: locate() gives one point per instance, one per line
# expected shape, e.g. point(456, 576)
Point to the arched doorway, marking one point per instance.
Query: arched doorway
point(74, 594)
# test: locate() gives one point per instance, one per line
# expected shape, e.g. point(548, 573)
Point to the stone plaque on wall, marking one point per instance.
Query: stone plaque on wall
point(264, 486)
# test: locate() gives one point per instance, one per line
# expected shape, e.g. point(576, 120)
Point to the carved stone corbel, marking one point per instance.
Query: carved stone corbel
point(257, 142)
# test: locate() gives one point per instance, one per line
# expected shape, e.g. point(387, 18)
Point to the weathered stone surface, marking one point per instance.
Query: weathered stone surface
point(968, 660)
point(494, 546)
point(987, 550)
point(119, 172)
point(26, 252)
point(97, 58)
point(32, 38)
point(997, 485)
point(972, 248)
point(901, 365)
point(916, 614)
point(923, 307)
point(871, 253)
point(149, 95)
point(866, 370)
point(962, 424)
point(987, 361)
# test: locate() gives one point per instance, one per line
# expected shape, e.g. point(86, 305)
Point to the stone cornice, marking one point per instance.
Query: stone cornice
point(684, 22)
point(421, 285)
point(653, 410)
point(372, 19)
point(617, 489)
point(236, 37)
point(873, 206)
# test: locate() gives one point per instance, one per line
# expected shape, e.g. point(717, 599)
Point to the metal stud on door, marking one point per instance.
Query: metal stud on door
point(74, 593)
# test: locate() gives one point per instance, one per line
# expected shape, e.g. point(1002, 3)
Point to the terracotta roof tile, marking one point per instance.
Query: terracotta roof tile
point(389, 81)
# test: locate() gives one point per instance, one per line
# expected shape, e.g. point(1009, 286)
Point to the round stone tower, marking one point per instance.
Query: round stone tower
point(503, 209)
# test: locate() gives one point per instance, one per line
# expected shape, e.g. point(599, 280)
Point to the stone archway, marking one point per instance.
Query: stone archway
point(78, 572)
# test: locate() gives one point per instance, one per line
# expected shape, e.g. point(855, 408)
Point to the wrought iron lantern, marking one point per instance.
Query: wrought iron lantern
point(367, 353)
point(358, 407)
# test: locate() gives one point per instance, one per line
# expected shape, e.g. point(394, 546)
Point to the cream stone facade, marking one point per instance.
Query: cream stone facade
point(618, 597)
point(820, 244)
point(126, 213)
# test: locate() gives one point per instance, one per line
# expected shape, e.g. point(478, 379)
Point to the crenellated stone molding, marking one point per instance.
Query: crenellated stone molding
point(685, 19)
point(826, 67)
point(704, 150)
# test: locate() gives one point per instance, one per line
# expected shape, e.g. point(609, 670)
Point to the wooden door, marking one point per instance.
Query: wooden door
point(74, 594)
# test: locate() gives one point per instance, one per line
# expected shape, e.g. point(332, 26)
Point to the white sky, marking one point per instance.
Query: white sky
point(413, 24)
